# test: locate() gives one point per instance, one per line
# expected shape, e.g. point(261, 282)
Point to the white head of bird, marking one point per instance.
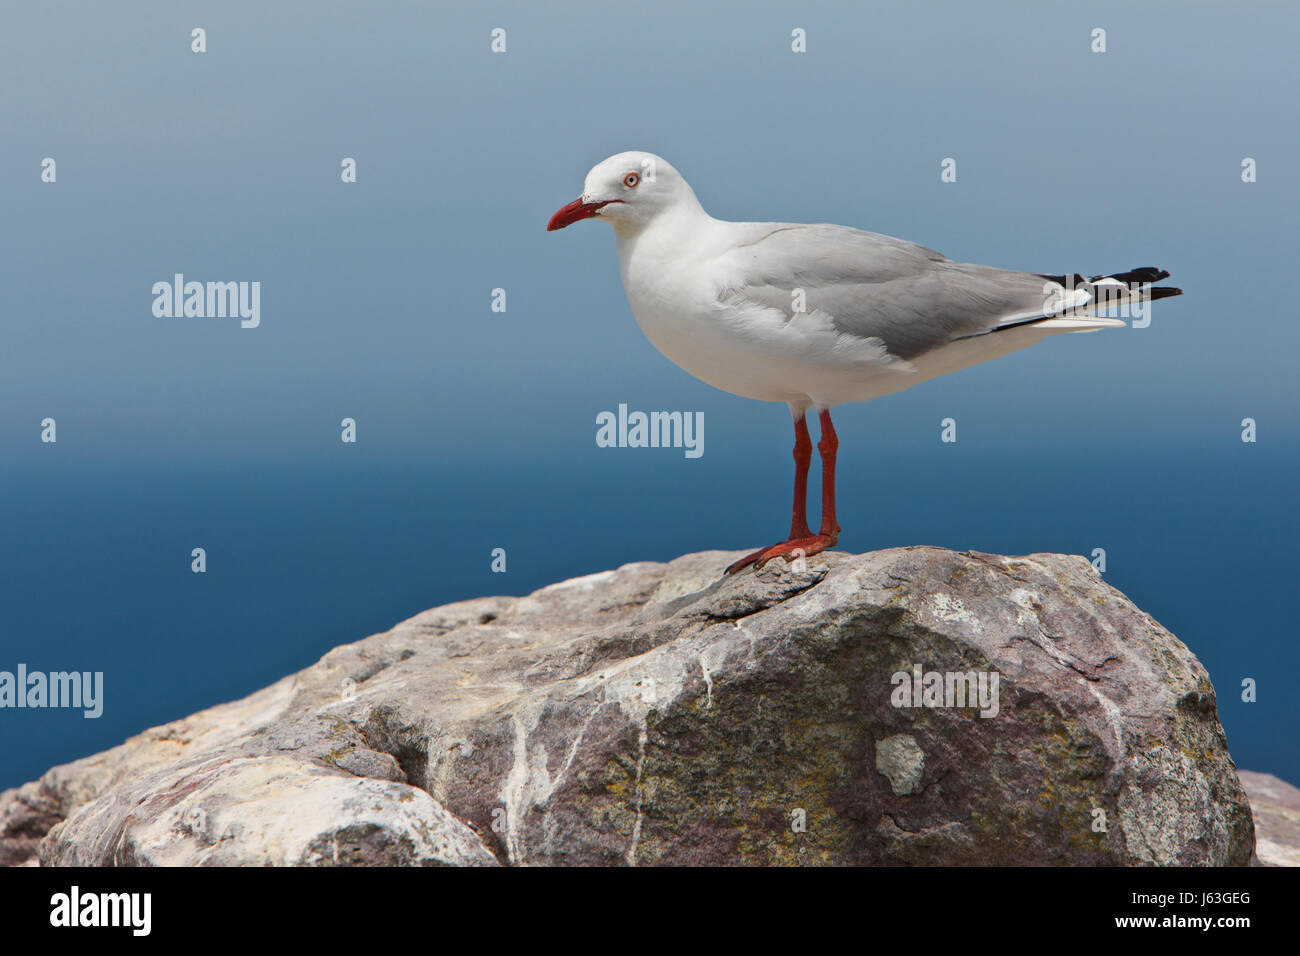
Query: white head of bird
point(629, 191)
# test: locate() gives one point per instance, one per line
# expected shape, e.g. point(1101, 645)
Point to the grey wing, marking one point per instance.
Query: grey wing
point(910, 298)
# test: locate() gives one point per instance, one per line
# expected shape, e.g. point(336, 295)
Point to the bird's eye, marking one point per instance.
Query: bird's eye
point(631, 179)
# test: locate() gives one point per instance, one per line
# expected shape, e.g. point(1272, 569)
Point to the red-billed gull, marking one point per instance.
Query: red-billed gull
point(816, 315)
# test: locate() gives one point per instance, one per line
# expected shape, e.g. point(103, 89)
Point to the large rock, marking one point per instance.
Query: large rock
point(665, 714)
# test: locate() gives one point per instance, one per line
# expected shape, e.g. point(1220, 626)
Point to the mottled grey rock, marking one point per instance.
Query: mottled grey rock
point(665, 714)
point(26, 815)
point(257, 811)
point(1276, 808)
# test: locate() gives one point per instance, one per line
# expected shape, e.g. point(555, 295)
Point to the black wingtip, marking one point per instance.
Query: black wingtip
point(1143, 275)
point(1140, 274)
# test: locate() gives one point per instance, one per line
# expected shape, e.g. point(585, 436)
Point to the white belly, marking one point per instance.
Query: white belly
point(765, 355)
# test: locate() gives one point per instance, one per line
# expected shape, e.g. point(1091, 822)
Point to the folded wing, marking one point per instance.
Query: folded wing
point(910, 298)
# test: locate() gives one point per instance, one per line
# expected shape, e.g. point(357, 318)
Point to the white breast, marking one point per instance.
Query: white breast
point(683, 308)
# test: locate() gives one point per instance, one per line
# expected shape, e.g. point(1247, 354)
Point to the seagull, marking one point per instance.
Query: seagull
point(817, 315)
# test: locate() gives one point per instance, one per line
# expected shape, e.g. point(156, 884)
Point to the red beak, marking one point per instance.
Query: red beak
point(576, 210)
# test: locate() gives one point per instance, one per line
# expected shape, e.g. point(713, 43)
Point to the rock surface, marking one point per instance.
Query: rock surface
point(1276, 807)
point(665, 714)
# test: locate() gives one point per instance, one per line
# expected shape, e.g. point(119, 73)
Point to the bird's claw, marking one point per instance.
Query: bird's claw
point(791, 550)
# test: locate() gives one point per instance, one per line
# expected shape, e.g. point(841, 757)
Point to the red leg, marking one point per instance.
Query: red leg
point(802, 540)
point(828, 446)
point(802, 458)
